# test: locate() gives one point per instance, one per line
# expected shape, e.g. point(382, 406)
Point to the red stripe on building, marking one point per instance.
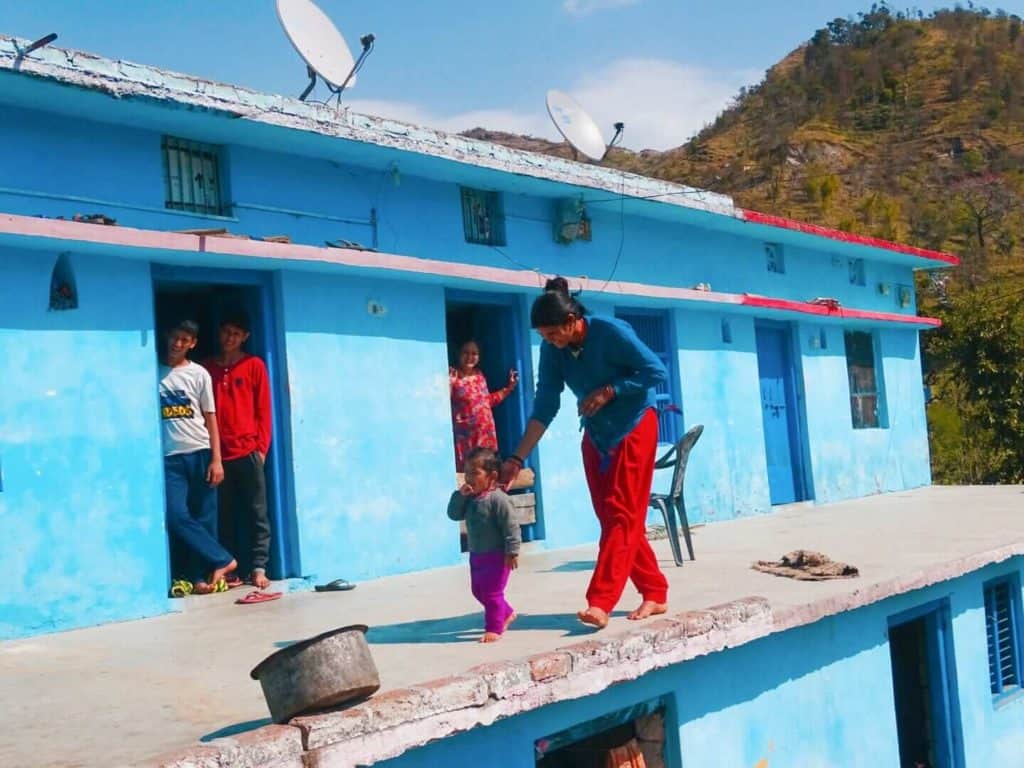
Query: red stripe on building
point(756, 217)
point(831, 310)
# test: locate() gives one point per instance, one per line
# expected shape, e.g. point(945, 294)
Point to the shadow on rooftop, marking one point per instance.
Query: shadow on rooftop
point(572, 566)
point(233, 730)
point(469, 627)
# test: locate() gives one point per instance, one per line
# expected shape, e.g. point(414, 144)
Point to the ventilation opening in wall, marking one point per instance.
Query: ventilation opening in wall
point(726, 332)
point(63, 293)
point(632, 737)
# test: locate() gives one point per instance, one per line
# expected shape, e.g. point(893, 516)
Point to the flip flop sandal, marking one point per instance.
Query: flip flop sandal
point(258, 597)
point(221, 585)
point(338, 585)
point(233, 582)
point(181, 588)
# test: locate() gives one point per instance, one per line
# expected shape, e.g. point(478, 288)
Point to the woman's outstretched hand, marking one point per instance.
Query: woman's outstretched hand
point(509, 472)
point(597, 400)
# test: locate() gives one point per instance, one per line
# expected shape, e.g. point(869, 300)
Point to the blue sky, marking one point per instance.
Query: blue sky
point(664, 67)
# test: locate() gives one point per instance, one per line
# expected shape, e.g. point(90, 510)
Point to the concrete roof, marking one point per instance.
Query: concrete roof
point(146, 92)
point(168, 681)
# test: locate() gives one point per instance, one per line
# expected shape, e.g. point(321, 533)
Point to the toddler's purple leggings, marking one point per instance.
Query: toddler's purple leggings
point(488, 577)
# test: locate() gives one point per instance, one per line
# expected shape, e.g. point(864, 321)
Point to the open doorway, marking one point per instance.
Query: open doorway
point(206, 295)
point(495, 322)
point(924, 689)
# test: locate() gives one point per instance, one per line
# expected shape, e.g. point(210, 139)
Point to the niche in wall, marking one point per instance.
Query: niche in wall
point(63, 291)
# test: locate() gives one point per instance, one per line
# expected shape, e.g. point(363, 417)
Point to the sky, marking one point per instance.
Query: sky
point(663, 67)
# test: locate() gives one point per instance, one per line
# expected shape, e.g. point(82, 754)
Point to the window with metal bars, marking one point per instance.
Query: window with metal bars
point(483, 218)
point(652, 328)
point(192, 177)
point(867, 401)
point(1002, 628)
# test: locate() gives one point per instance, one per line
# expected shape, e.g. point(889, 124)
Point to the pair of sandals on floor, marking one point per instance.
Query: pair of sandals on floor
point(183, 588)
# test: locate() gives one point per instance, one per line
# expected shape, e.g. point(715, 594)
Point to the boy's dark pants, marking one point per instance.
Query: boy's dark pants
point(244, 523)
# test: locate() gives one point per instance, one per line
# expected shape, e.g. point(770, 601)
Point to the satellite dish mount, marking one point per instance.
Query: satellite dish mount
point(367, 43)
point(321, 46)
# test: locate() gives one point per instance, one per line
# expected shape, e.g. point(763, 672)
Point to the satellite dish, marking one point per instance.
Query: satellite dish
point(575, 125)
point(321, 45)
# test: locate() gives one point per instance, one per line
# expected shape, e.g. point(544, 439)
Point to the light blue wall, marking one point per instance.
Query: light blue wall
point(819, 695)
point(370, 434)
point(81, 510)
point(848, 462)
point(371, 426)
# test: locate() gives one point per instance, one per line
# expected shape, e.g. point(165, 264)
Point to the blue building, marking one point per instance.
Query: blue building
point(370, 248)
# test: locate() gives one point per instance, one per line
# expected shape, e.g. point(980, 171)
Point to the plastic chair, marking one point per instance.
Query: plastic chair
point(672, 504)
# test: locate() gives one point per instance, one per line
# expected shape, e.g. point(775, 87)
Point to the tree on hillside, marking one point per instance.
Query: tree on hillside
point(976, 366)
point(987, 200)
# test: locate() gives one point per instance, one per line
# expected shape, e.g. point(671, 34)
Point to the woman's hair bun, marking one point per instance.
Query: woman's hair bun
point(557, 285)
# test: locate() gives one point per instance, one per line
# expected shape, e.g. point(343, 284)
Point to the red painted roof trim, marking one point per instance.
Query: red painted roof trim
point(756, 217)
point(807, 308)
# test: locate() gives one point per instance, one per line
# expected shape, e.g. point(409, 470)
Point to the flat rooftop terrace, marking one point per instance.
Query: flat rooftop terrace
point(120, 693)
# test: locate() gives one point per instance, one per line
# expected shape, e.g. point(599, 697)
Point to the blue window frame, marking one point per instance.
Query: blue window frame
point(192, 177)
point(857, 274)
point(1003, 631)
point(653, 328)
point(867, 398)
point(483, 217)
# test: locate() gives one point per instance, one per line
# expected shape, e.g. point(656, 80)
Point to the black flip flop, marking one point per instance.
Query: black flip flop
point(338, 585)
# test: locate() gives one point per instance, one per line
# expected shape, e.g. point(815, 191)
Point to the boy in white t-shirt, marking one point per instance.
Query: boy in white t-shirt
point(192, 463)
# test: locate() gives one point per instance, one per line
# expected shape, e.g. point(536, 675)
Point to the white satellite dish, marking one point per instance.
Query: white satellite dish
point(321, 45)
point(575, 125)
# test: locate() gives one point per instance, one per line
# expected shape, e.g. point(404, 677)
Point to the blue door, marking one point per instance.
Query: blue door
point(779, 414)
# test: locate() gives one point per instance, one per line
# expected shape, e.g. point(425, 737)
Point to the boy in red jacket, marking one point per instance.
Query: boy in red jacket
point(241, 390)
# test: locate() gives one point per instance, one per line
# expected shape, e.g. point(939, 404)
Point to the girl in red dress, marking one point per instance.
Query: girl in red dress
point(472, 420)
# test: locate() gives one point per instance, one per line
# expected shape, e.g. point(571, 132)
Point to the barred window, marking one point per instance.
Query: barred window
point(867, 401)
point(192, 177)
point(483, 219)
point(1002, 628)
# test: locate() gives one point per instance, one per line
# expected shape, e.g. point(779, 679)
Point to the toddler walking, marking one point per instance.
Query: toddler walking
point(493, 535)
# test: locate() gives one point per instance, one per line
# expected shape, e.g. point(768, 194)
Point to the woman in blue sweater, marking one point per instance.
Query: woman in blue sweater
point(613, 375)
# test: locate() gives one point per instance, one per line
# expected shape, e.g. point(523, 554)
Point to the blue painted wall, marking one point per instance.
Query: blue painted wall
point(370, 440)
point(81, 510)
point(819, 695)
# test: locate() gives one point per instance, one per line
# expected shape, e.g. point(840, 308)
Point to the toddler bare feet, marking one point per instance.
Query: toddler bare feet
point(259, 579)
point(490, 637)
point(647, 608)
point(595, 617)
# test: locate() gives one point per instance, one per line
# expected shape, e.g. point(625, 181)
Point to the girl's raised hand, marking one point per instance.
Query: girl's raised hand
point(513, 378)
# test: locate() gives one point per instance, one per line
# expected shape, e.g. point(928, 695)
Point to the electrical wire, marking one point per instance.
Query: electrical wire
point(622, 235)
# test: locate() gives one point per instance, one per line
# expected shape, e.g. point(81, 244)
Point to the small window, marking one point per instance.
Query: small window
point(1002, 628)
point(774, 260)
point(866, 397)
point(652, 328)
point(192, 177)
point(483, 218)
point(857, 276)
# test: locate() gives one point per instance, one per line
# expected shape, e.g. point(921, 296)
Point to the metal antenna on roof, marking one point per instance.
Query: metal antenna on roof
point(35, 46)
point(321, 46)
